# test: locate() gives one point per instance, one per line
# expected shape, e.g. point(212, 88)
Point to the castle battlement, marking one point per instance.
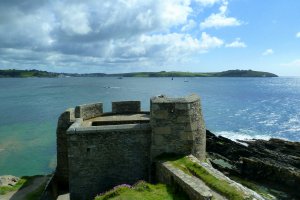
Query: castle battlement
point(98, 150)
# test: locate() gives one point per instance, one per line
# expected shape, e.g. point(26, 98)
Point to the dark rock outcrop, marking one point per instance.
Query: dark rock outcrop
point(275, 162)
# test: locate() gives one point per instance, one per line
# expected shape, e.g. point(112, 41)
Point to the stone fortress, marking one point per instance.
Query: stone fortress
point(97, 151)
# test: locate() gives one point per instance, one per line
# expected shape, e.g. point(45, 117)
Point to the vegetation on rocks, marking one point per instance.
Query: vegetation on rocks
point(17, 186)
point(20, 188)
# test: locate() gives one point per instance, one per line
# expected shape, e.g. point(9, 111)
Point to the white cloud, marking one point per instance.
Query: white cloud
point(298, 35)
point(268, 52)
point(188, 26)
point(101, 34)
point(217, 20)
point(74, 19)
point(175, 12)
point(208, 2)
point(236, 44)
point(208, 42)
point(294, 63)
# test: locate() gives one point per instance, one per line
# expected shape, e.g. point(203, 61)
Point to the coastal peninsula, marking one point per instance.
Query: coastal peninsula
point(13, 73)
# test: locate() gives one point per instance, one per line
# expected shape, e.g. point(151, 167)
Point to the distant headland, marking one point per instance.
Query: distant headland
point(14, 73)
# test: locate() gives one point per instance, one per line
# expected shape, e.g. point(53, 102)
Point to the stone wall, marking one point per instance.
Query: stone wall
point(65, 120)
point(106, 156)
point(126, 107)
point(177, 126)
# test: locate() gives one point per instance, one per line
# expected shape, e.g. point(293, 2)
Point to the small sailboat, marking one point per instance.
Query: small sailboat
point(185, 80)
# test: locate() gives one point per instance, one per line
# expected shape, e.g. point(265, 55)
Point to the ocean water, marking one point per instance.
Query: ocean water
point(238, 108)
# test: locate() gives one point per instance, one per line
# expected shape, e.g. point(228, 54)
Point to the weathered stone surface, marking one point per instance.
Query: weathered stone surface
point(126, 107)
point(103, 157)
point(161, 114)
point(192, 186)
point(162, 130)
point(65, 120)
point(178, 126)
point(88, 111)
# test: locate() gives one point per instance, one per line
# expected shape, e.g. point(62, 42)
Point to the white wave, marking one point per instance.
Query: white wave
point(292, 125)
point(269, 122)
point(243, 135)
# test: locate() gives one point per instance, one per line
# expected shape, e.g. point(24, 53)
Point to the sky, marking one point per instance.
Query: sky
point(115, 36)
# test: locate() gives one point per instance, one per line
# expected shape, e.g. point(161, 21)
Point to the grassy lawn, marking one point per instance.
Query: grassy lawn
point(142, 191)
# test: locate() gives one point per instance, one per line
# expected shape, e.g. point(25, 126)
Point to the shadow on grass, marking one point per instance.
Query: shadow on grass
point(177, 193)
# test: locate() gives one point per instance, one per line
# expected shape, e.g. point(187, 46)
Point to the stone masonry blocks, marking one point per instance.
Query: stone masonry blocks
point(88, 111)
point(65, 120)
point(177, 126)
point(102, 159)
point(105, 156)
point(126, 107)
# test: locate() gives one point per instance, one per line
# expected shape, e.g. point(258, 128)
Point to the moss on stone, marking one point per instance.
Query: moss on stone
point(36, 194)
point(220, 186)
point(265, 192)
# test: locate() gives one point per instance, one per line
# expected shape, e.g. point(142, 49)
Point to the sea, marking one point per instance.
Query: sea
point(237, 108)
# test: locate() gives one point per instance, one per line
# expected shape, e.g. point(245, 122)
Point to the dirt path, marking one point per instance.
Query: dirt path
point(21, 194)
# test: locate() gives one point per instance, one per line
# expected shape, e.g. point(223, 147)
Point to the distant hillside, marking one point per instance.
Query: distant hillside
point(230, 73)
point(14, 73)
point(244, 73)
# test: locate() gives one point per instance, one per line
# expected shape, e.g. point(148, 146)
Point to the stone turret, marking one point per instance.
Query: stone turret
point(65, 120)
point(177, 126)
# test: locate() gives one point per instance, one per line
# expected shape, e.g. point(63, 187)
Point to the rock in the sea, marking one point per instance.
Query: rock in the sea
point(8, 180)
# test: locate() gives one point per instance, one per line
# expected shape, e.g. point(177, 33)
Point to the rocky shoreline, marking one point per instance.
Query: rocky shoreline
point(274, 163)
point(8, 180)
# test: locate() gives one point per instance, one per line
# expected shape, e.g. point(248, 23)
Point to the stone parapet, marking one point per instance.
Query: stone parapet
point(88, 111)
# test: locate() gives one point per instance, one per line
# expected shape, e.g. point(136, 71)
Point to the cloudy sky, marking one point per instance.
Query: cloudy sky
point(150, 35)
